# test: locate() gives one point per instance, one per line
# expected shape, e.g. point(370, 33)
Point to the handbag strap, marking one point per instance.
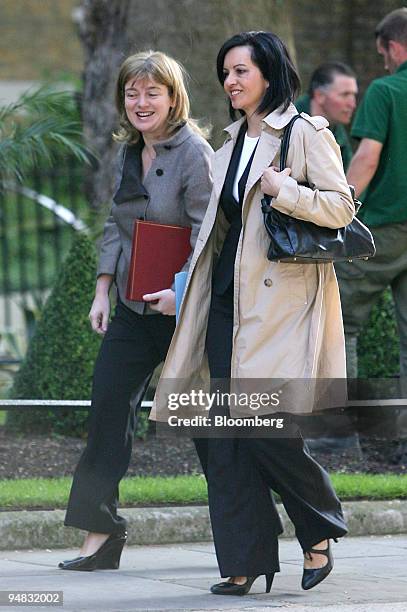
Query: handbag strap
point(285, 143)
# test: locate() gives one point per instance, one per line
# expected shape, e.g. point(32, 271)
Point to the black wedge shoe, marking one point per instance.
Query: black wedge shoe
point(230, 588)
point(312, 577)
point(106, 557)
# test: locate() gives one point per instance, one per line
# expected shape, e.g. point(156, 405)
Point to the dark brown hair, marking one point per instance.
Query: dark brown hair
point(271, 56)
point(393, 27)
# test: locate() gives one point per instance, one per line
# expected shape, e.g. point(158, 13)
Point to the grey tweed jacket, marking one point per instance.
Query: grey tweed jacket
point(175, 191)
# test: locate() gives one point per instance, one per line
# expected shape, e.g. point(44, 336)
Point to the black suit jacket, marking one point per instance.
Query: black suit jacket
point(223, 274)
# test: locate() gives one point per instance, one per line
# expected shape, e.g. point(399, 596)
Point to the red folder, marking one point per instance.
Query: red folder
point(158, 252)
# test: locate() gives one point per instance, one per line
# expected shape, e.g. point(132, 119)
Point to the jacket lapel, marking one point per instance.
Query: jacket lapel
point(130, 185)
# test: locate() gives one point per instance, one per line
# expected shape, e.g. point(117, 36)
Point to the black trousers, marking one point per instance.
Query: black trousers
point(241, 471)
point(131, 349)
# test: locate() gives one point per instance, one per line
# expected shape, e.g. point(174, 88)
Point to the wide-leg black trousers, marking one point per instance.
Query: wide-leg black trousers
point(131, 349)
point(241, 471)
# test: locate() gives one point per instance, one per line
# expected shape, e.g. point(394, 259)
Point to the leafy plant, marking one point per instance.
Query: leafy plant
point(378, 344)
point(41, 124)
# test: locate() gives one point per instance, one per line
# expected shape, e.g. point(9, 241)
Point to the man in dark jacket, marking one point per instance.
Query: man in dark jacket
point(332, 94)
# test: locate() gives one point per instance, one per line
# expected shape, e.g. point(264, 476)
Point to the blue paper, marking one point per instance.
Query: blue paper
point(180, 282)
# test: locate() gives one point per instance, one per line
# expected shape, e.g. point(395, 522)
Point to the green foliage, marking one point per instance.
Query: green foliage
point(143, 425)
point(61, 355)
point(33, 130)
point(378, 344)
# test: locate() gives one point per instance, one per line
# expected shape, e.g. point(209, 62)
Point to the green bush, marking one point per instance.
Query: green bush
point(61, 355)
point(378, 344)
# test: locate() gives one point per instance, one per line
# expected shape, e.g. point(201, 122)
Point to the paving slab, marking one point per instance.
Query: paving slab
point(370, 575)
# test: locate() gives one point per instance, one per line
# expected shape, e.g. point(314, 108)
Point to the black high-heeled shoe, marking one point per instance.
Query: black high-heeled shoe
point(231, 588)
point(106, 557)
point(312, 577)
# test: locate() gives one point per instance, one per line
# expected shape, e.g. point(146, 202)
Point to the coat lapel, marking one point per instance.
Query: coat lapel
point(269, 143)
point(223, 155)
point(220, 165)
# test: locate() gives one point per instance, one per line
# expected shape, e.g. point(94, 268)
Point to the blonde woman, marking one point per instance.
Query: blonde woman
point(164, 177)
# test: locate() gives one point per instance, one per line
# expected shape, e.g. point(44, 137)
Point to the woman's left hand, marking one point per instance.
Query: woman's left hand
point(272, 180)
point(164, 301)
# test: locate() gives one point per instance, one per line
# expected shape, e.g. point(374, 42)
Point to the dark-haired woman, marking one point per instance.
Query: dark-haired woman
point(262, 319)
point(165, 178)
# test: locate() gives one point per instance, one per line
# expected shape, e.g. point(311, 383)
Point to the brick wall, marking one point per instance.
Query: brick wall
point(38, 39)
point(341, 30)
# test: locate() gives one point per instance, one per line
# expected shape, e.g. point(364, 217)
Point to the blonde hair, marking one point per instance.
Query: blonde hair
point(166, 71)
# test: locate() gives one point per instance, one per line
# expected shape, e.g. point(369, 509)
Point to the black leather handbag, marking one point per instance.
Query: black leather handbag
point(295, 241)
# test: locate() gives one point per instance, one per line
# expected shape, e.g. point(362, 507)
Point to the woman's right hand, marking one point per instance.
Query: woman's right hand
point(100, 310)
point(272, 179)
point(99, 314)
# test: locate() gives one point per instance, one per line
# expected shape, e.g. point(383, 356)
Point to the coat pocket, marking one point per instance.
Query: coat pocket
point(294, 279)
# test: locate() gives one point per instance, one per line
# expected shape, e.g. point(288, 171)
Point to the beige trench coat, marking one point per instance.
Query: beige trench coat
point(287, 317)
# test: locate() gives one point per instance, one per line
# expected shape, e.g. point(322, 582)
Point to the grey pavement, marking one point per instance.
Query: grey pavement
point(370, 575)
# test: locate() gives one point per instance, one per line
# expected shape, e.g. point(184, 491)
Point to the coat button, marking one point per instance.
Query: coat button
point(159, 172)
point(268, 282)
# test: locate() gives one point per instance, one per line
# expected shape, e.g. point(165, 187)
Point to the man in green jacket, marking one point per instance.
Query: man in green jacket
point(378, 170)
point(332, 94)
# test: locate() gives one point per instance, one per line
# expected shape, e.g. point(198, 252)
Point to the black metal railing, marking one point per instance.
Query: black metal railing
point(37, 220)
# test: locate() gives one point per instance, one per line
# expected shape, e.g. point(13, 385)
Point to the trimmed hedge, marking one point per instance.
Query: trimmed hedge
point(61, 355)
point(378, 344)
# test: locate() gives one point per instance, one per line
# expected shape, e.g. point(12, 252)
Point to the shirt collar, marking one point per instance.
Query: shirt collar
point(402, 66)
point(182, 134)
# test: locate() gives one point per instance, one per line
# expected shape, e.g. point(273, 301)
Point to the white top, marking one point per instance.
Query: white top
point(248, 148)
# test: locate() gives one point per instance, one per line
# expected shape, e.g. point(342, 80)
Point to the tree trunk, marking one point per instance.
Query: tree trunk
point(102, 30)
